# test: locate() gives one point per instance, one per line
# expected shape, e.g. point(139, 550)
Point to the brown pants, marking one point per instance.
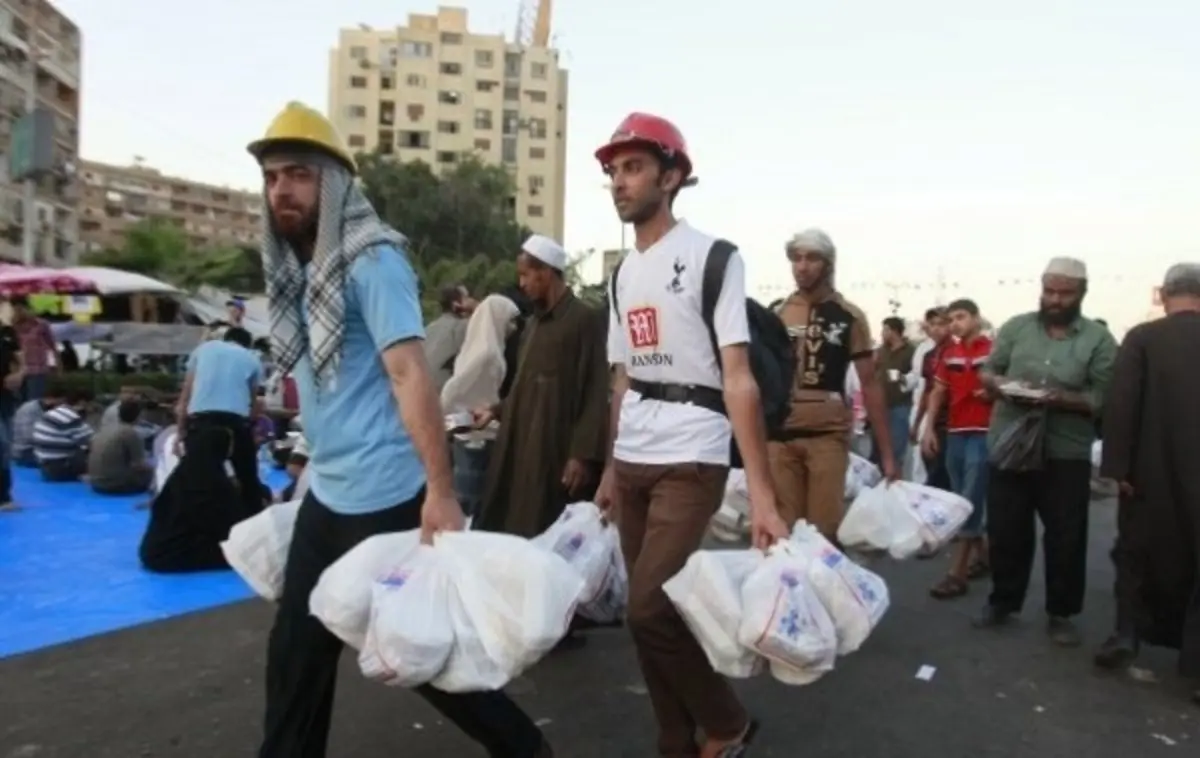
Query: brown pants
point(663, 514)
point(810, 480)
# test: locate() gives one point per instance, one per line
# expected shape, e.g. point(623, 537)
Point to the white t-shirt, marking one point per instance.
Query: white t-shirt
point(661, 337)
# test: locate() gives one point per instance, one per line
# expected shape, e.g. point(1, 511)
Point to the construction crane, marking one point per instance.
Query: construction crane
point(533, 23)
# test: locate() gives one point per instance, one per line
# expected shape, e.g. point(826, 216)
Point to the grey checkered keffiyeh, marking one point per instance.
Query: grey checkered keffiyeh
point(347, 226)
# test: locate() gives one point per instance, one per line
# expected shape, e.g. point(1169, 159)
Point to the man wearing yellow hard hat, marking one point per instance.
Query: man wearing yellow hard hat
point(346, 323)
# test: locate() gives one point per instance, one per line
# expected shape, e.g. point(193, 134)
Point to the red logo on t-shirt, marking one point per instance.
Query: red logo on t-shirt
point(643, 328)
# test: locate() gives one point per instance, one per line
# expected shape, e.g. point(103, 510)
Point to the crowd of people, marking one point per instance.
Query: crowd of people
point(644, 407)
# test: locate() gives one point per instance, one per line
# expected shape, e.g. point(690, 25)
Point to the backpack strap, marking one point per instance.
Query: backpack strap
point(710, 291)
point(612, 290)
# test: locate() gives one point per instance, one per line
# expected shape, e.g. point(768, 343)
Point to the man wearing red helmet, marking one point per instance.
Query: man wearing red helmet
point(675, 404)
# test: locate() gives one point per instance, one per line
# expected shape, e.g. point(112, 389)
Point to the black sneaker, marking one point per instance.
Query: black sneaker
point(991, 617)
point(1117, 652)
point(1063, 632)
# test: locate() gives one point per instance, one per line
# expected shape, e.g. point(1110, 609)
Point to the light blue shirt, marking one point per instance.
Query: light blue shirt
point(360, 455)
point(225, 378)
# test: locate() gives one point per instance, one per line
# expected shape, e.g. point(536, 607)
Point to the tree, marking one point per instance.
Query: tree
point(460, 223)
point(159, 249)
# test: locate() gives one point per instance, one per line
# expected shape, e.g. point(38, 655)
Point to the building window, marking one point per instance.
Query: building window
point(508, 150)
point(485, 86)
point(483, 119)
point(536, 96)
point(387, 81)
point(357, 140)
point(538, 70)
point(484, 59)
point(537, 128)
point(387, 142)
point(387, 112)
point(512, 65)
point(536, 184)
point(358, 82)
point(449, 97)
point(448, 127)
point(358, 52)
point(452, 38)
point(450, 69)
point(356, 111)
point(445, 156)
point(416, 50)
point(537, 153)
point(535, 211)
point(512, 122)
point(483, 145)
point(415, 80)
point(512, 93)
point(413, 140)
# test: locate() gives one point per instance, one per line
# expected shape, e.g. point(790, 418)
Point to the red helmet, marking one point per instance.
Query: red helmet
point(645, 130)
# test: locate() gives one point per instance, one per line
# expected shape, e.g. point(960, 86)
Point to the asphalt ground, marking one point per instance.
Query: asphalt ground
point(192, 687)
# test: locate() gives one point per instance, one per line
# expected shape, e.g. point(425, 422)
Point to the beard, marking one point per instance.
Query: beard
point(639, 213)
point(1060, 316)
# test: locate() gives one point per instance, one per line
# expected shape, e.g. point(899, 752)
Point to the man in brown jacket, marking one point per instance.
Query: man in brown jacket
point(831, 334)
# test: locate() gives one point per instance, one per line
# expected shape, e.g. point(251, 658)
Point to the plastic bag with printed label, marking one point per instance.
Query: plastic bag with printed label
point(939, 514)
point(257, 548)
point(342, 598)
point(855, 598)
point(860, 474)
point(519, 598)
point(410, 634)
point(590, 545)
point(707, 592)
point(784, 621)
point(879, 519)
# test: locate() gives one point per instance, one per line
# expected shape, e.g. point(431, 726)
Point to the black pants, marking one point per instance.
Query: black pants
point(302, 657)
point(936, 473)
point(1060, 495)
point(243, 455)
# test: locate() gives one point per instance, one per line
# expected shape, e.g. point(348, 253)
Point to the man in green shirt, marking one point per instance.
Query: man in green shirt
point(1063, 363)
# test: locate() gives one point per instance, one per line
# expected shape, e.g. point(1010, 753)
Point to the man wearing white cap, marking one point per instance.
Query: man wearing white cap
point(1151, 447)
point(553, 422)
point(1049, 370)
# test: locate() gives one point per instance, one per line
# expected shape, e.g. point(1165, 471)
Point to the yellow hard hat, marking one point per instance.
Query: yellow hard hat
point(299, 123)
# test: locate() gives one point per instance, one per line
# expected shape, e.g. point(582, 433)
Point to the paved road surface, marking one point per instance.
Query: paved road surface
point(191, 688)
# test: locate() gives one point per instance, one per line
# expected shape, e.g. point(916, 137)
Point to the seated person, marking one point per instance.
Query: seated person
point(25, 419)
point(61, 439)
point(117, 464)
point(195, 509)
point(297, 465)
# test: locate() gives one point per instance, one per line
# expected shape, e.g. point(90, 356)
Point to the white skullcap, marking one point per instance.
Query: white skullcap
point(1071, 268)
point(547, 251)
point(1182, 279)
point(814, 240)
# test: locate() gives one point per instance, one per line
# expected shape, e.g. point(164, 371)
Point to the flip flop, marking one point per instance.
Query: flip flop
point(742, 746)
point(949, 588)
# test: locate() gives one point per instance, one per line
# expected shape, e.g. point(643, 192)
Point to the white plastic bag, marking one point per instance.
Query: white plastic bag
point(880, 519)
point(257, 548)
point(342, 598)
point(518, 597)
point(855, 598)
point(1097, 454)
point(784, 621)
point(940, 514)
point(707, 592)
point(591, 546)
point(860, 474)
point(410, 634)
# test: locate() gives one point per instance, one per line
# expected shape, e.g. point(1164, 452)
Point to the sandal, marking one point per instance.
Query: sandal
point(979, 570)
point(949, 588)
point(739, 748)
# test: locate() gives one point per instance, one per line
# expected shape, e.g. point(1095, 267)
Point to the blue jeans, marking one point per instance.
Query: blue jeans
point(898, 430)
point(967, 464)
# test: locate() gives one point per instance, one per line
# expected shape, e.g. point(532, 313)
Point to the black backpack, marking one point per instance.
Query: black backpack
point(772, 354)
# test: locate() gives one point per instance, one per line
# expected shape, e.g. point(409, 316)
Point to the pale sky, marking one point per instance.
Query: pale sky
point(919, 134)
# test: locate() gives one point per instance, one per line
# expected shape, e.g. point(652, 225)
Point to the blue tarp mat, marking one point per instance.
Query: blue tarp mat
point(69, 568)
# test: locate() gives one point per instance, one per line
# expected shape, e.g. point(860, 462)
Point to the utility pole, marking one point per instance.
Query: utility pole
point(29, 237)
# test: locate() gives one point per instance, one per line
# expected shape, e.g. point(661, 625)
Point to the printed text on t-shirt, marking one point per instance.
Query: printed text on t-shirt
point(643, 328)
